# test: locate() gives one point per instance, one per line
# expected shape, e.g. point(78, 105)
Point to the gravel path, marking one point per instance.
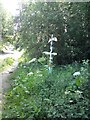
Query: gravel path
point(4, 76)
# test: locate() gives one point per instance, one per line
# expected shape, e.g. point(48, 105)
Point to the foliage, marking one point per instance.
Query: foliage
point(4, 63)
point(6, 25)
point(67, 21)
point(1, 46)
point(37, 95)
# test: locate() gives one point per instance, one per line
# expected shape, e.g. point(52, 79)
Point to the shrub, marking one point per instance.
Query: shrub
point(37, 95)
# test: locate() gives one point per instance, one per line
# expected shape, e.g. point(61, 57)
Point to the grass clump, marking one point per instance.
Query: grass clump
point(37, 95)
point(1, 46)
point(4, 63)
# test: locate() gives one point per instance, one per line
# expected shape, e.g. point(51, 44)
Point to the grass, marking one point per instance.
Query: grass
point(1, 45)
point(5, 63)
point(37, 95)
point(0, 115)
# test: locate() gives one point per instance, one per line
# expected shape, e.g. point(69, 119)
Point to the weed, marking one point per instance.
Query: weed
point(5, 63)
point(37, 95)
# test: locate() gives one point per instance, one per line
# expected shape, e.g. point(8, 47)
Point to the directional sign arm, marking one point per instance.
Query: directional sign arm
point(52, 39)
point(48, 53)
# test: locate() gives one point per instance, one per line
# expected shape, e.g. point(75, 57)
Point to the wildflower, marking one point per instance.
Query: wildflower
point(40, 75)
point(38, 71)
point(33, 60)
point(24, 66)
point(76, 74)
point(67, 92)
point(31, 73)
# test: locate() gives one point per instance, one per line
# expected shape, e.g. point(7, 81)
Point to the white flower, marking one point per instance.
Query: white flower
point(33, 60)
point(67, 92)
point(24, 66)
point(76, 73)
point(31, 73)
point(40, 75)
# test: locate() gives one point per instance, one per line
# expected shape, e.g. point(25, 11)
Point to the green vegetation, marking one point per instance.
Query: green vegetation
point(1, 46)
point(37, 95)
point(32, 28)
point(5, 63)
point(0, 115)
point(6, 25)
point(69, 22)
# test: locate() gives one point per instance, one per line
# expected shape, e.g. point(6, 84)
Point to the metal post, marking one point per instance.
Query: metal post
point(51, 54)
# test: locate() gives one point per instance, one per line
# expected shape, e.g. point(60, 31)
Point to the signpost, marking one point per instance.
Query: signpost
point(51, 53)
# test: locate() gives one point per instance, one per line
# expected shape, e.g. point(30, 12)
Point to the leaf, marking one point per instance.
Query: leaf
point(78, 81)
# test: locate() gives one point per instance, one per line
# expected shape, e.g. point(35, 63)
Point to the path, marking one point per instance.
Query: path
point(4, 84)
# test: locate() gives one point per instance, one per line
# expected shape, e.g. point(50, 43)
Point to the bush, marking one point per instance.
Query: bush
point(37, 95)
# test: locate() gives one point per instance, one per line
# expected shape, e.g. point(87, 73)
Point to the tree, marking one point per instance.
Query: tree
point(67, 21)
point(6, 25)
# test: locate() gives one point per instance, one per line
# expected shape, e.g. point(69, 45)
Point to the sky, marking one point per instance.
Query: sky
point(10, 5)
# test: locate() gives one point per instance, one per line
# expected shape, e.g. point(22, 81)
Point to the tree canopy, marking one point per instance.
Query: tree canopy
point(69, 22)
point(6, 25)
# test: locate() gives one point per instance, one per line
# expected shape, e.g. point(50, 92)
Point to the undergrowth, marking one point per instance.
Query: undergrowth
point(37, 95)
point(4, 63)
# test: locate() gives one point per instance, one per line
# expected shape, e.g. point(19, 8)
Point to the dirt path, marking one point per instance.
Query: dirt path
point(4, 76)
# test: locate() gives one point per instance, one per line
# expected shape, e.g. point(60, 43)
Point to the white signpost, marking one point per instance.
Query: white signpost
point(51, 53)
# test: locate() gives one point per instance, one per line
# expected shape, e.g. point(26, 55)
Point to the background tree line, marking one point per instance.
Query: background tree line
point(6, 25)
point(69, 22)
